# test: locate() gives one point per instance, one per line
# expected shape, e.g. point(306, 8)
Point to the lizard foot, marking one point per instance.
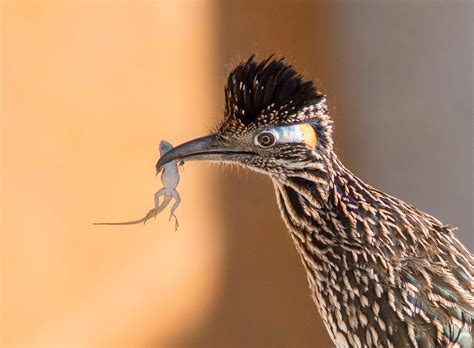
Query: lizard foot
point(152, 213)
point(176, 224)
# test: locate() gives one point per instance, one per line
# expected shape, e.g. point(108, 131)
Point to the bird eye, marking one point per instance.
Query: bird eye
point(265, 139)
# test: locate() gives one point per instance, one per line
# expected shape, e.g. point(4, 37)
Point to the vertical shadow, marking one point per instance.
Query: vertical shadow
point(265, 299)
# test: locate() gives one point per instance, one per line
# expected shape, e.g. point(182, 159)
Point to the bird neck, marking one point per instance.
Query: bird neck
point(366, 253)
point(328, 203)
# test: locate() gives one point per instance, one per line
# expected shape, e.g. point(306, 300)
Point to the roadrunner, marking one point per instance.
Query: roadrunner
point(381, 272)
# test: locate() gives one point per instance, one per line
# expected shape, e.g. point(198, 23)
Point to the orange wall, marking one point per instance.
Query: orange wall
point(89, 89)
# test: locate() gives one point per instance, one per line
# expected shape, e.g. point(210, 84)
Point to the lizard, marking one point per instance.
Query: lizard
point(170, 180)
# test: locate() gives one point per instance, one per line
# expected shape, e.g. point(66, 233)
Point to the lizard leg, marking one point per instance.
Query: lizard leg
point(157, 196)
point(177, 201)
point(159, 207)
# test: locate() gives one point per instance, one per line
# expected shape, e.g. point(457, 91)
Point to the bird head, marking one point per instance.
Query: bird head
point(275, 122)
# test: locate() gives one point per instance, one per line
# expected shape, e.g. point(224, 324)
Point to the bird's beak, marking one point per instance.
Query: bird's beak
point(208, 148)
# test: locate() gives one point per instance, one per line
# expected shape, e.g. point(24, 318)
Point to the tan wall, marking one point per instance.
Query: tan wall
point(89, 89)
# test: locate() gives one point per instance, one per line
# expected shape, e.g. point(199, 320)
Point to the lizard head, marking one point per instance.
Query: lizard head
point(165, 147)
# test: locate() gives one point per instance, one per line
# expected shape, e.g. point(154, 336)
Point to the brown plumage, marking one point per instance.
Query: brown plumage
point(381, 272)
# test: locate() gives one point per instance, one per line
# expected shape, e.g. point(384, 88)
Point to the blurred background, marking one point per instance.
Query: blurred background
point(88, 89)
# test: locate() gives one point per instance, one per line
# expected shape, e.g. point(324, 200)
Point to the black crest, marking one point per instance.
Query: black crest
point(270, 88)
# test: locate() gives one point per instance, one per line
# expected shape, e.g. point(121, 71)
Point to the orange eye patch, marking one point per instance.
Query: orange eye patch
point(308, 134)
